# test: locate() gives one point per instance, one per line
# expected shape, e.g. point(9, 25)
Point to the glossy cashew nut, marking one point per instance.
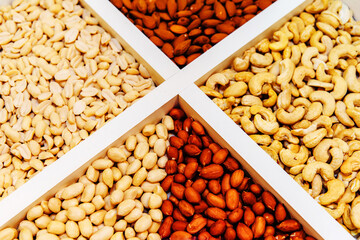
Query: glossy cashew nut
point(217, 78)
point(264, 120)
point(290, 118)
point(256, 82)
point(336, 211)
point(351, 164)
point(324, 169)
point(287, 68)
point(236, 89)
point(282, 41)
point(260, 60)
point(317, 6)
point(300, 73)
point(310, 140)
point(290, 158)
point(353, 83)
point(335, 189)
point(340, 51)
point(309, 53)
point(284, 134)
point(326, 99)
point(340, 87)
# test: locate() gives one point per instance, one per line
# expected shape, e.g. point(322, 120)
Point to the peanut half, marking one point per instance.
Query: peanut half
point(62, 77)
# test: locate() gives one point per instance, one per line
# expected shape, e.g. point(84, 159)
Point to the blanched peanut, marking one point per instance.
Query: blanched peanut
point(63, 77)
point(112, 200)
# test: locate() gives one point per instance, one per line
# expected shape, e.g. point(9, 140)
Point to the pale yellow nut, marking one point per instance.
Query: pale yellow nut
point(336, 210)
point(72, 191)
point(354, 215)
point(133, 216)
point(143, 223)
point(292, 158)
point(324, 169)
point(256, 82)
point(125, 207)
point(236, 89)
point(72, 229)
point(317, 6)
point(260, 60)
point(335, 189)
point(217, 78)
point(104, 233)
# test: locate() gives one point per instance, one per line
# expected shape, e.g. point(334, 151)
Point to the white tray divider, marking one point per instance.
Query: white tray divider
point(263, 168)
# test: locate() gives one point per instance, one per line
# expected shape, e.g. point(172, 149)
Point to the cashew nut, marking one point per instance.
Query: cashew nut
point(299, 179)
point(326, 99)
point(293, 28)
point(346, 218)
point(340, 87)
point(271, 152)
point(309, 53)
point(319, 84)
point(243, 76)
point(324, 169)
point(250, 100)
point(287, 68)
point(316, 186)
point(290, 118)
point(272, 97)
point(260, 60)
point(263, 45)
point(327, 29)
point(211, 92)
point(315, 41)
point(317, 6)
point(336, 211)
point(217, 78)
point(355, 215)
point(256, 82)
point(351, 164)
point(321, 74)
point(224, 104)
point(313, 111)
point(335, 189)
point(261, 139)
point(300, 73)
point(248, 125)
point(242, 64)
point(290, 158)
point(353, 28)
point(353, 84)
point(284, 134)
point(307, 18)
point(312, 139)
point(340, 51)
point(282, 41)
point(236, 89)
point(264, 120)
point(284, 98)
point(295, 54)
point(307, 33)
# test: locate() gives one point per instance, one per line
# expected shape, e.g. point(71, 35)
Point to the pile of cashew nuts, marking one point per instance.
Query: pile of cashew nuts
point(298, 96)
